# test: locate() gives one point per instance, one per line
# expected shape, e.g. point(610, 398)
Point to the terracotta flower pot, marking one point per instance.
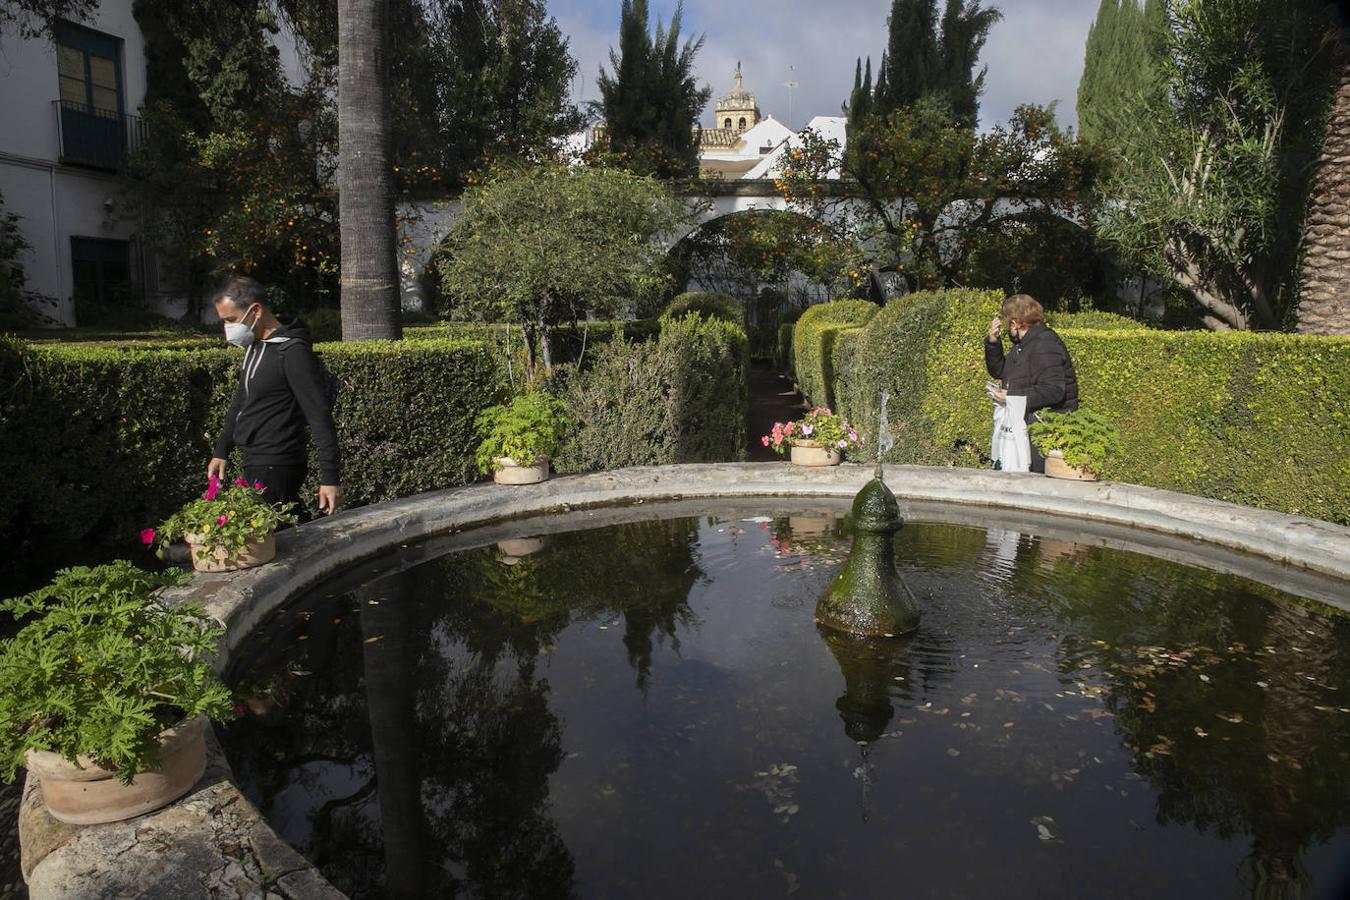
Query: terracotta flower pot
point(518, 547)
point(810, 453)
point(511, 472)
point(254, 553)
point(1056, 467)
point(89, 794)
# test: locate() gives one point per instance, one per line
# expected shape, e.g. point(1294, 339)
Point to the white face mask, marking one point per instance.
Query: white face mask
point(239, 334)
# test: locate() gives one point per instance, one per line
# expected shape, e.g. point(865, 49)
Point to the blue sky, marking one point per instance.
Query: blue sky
point(1034, 55)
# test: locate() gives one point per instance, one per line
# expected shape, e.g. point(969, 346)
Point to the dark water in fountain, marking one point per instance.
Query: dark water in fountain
point(647, 710)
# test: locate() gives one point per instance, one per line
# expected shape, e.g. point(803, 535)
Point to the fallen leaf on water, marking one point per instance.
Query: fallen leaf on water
point(1230, 717)
point(371, 640)
point(1201, 732)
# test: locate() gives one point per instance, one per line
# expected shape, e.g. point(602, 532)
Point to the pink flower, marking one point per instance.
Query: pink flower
point(765, 440)
point(147, 536)
point(807, 429)
point(777, 440)
point(787, 429)
point(222, 520)
point(853, 435)
point(239, 482)
point(258, 486)
point(212, 488)
point(842, 444)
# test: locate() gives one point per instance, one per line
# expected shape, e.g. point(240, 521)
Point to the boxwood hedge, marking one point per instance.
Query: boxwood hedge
point(1257, 419)
point(813, 341)
point(101, 441)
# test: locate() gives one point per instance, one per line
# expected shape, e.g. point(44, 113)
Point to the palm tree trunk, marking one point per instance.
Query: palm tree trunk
point(369, 279)
point(1324, 306)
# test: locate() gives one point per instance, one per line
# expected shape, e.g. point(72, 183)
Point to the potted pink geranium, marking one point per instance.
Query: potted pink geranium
point(820, 438)
point(228, 527)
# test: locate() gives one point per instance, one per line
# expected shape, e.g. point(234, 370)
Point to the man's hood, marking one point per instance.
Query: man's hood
point(293, 330)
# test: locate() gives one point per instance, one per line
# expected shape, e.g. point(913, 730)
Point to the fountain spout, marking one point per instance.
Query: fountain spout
point(869, 597)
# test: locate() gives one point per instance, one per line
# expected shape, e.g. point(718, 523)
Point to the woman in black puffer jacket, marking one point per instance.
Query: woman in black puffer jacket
point(1037, 367)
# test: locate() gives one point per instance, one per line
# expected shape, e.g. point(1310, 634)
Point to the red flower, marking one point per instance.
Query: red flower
point(147, 536)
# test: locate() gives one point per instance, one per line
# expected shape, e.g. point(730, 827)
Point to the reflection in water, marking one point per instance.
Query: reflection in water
point(649, 710)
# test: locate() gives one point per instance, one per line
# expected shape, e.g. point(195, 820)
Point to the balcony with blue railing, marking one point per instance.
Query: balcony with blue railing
point(98, 138)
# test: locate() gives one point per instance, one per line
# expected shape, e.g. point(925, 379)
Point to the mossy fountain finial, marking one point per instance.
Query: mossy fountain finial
point(869, 597)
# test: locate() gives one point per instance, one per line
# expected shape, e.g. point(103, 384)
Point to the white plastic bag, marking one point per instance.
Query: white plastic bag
point(1010, 447)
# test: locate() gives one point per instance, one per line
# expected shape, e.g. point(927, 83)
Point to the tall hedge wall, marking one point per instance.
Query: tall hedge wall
point(813, 342)
point(680, 398)
point(102, 441)
point(1258, 419)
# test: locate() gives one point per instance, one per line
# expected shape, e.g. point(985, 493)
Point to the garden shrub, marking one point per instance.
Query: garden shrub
point(679, 398)
point(813, 341)
point(1257, 419)
point(710, 304)
point(103, 442)
point(783, 356)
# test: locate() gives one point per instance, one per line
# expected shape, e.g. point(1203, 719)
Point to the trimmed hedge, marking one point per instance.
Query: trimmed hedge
point(1257, 419)
point(711, 304)
point(680, 398)
point(813, 341)
point(100, 442)
point(783, 356)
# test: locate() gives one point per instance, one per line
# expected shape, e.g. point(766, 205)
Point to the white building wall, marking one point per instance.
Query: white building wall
point(54, 201)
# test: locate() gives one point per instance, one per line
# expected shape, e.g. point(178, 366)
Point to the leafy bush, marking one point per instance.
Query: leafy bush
point(710, 304)
point(1086, 439)
point(680, 398)
point(102, 666)
point(530, 426)
point(1101, 321)
point(109, 439)
point(783, 356)
point(813, 345)
point(1252, 418)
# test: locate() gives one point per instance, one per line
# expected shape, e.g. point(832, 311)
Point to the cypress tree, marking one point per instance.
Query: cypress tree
point(860, 99)
point(928, 57)
point(1120, 66)
point(651, 102)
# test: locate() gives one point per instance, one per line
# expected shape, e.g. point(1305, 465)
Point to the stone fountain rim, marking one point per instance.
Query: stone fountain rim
point(309, 554)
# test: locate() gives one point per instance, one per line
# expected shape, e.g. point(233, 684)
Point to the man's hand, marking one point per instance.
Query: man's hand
point(330, 498)
point(216, 468)
point(995, 328)
point(999, 396)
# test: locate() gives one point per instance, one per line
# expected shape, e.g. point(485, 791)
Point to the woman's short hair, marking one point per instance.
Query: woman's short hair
point(1024, 308)
point(242, 291)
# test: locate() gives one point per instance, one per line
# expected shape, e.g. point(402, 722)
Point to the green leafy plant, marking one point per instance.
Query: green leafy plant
point(227, 518)
point(818, 427)
point(101, 666)
point(530, 426)
point(1086, 439)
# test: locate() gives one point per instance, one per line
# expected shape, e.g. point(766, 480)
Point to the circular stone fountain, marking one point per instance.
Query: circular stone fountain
point(1093, 701)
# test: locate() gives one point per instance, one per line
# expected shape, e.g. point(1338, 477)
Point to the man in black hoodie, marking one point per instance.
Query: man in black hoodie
point(282, 388)
point(1038, 366)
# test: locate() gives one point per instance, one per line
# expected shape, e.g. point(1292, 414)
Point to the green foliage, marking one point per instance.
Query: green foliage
point(528, 427)
point(936, 202)
point(1122, 66)
point(32, 19)
point(224, 518)
point(1086, 439)
point(708, 304)
point(922, 61)
point(101, 666)
point(552, 244)
point(813, 339)
point(783, 356)
point(1215, 169)
point(680, 398)
point(13, 247)
point(108, 439)
point(1257, 419)
point(651, 100)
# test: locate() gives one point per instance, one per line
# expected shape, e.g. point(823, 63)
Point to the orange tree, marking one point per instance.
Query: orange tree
point(936, 202)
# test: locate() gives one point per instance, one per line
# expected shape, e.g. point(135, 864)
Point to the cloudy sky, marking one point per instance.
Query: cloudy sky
point(1034, 55)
